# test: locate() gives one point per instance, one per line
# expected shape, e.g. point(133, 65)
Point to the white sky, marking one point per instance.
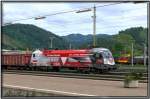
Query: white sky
point(110, 19)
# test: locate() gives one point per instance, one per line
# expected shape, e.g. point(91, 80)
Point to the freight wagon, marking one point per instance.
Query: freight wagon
point(15, 60)
point(128, 60)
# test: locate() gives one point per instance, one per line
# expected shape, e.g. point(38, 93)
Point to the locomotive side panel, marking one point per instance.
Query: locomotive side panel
point(78, 62)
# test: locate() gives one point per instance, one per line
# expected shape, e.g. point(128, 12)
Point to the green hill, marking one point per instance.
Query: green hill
point(119, 43)
point(22, 36)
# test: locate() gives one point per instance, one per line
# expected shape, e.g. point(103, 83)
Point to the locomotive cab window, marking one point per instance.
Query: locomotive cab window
point(100, 56)
point(33, 55)
point(107, 54)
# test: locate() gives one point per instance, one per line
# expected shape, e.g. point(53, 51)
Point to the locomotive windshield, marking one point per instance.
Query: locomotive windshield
point(96, 57)
point(106, 54)
point(101, 56)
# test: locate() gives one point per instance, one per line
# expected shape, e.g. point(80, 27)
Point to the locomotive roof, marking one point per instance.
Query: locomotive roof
point(66, 51)
point(74, 51)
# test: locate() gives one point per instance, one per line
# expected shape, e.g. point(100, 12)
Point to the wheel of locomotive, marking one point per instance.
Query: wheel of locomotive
point(4, 67)
point(79, 70)
point(34, 68)
point(114, 68)
point(96, 71)
point(47, 68)
point(100, 71)
point(83, 71)
point(91, 70)
point(86, 71)
point(42, 68)
point(30, 67)
point(109, 69)
point(56, 69)
point(37, 68)
point(25, 67)
point(106, 70)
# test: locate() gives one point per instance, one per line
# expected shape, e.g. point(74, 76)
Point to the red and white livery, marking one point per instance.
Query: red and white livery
point(96, 58)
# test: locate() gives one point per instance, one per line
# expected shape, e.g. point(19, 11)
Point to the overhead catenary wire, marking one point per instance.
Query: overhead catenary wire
point(63, 12)
point(10, 22)
point(102, 21)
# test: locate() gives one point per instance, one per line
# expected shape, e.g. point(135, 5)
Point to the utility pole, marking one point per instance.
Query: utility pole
point(145, 55)
point(132, 54)
point(94, 26)
point(94, 22)
point(51, 38)
point(70, 45)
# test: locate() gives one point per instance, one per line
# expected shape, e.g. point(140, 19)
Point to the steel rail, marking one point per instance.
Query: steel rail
point(73, 75)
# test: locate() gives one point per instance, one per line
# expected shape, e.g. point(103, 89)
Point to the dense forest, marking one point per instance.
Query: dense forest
point(23, 36)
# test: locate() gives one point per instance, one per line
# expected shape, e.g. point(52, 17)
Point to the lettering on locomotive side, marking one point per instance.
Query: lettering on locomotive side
point(54, 59)
point(79, 54)
point(53, 55)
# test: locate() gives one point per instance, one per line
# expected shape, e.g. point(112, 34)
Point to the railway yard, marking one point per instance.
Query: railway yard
point(65, 83)
point(64, 73)
point(101, 53)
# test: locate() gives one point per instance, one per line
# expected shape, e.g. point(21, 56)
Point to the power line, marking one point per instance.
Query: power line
point(108, 4)
point(101, 21)
point(63, 12)
point(76, 10)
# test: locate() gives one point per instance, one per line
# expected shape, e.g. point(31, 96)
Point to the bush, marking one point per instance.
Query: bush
point(133, 76)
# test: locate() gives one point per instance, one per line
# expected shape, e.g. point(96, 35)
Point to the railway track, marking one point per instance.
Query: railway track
point(113, 76)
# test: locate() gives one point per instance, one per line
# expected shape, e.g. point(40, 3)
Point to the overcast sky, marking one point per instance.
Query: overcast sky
point(110, 19)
